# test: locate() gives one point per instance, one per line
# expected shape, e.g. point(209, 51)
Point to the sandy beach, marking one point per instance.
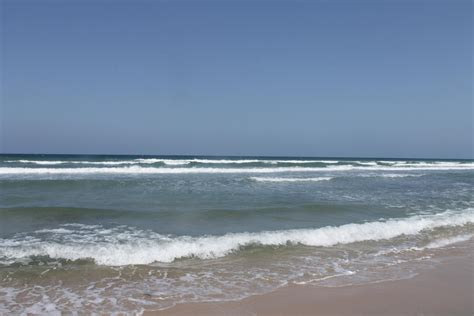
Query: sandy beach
point(446, 289)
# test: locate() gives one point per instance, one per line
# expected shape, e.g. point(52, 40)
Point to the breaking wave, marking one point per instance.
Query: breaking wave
point(171, 162)
point(125, 245)
point(183, 161)
point(270, 179)
point(178, 170)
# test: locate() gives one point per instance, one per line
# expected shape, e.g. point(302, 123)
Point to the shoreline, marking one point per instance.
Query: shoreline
point(445, 289)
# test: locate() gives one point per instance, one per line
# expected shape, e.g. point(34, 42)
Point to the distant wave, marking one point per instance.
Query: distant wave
point(197, 161)
point(177, 170)
point(62, 162)
point(392, 175)
point(171, 162)
point(421, 164)
point(270, 179)
point(203, 161)
point(153, 170)
point(366, 163)
point(399, 175)
point(127, 245)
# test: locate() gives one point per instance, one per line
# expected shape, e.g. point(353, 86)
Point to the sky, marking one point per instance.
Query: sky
point(381, 78)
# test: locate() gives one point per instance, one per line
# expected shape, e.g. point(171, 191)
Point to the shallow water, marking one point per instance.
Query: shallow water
point(127, 233)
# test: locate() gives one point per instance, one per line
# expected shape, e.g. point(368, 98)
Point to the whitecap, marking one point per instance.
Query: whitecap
point(125, 246)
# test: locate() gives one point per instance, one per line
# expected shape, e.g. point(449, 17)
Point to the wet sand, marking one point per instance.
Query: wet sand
point(446, 289)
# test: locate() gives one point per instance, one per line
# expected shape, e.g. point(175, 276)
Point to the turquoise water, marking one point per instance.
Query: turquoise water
point(127, 233)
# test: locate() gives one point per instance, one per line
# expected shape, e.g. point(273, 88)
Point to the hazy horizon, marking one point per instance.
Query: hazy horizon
point(228, 156)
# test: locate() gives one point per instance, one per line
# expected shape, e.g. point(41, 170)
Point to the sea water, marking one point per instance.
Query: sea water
point(129, 233)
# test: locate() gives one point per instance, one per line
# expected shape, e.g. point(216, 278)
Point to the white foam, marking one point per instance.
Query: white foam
point(151, 170)
point(422, 164)
point(392, 175)
point(38, 162)
point(270, 179)
point(309, 281)
point(84, 162)
point(435, 244)
point(55, 230)
point(447, 241)
point(366, 163)
point(171, 162)
point(175, 162)
point(232, 161)
point(227, 161)
point(303, 161)
point(399, 175)
point(124, 246)
point(178, 162)
point(163, 170)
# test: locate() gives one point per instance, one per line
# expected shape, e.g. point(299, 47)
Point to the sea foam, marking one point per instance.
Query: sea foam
point(275, 179)
point(127, 245)
point(180, 170)
point(182, 161)
point(171, 162)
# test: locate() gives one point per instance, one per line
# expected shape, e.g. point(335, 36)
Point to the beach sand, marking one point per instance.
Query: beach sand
point(445, 289)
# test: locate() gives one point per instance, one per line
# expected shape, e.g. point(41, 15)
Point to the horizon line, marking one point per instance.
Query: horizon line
point(236, 156)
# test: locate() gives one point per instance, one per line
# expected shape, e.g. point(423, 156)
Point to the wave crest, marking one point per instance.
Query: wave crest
point(180, 170)
point(275, 179)
point(126, 245)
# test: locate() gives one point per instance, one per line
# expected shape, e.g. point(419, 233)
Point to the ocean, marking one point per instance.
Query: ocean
point(124, 234)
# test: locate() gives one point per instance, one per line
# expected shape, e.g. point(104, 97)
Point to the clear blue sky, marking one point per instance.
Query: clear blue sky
point(315, 78)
